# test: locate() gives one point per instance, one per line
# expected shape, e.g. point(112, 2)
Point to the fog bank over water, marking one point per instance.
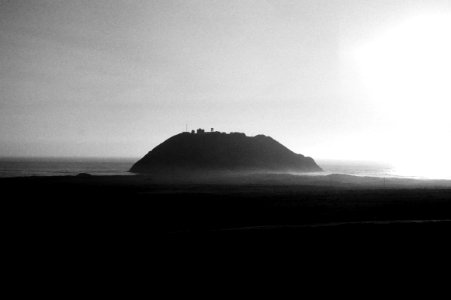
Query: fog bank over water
point(19, 167)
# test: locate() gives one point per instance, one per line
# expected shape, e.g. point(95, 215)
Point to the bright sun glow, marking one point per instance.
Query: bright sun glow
point(406, 73)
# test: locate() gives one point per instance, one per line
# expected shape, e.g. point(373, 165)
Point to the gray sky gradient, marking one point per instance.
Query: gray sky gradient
point(116, 78)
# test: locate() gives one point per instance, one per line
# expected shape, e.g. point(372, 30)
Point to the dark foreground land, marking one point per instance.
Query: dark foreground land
point(225, 206)
point(330, 218)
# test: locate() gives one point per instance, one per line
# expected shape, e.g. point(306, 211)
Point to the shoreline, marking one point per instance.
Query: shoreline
point(259, 178)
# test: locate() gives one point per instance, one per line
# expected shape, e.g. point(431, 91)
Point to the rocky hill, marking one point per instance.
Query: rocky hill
point(217, 151)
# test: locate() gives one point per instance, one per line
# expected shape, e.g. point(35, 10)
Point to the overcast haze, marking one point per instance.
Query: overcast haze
point(116, 78)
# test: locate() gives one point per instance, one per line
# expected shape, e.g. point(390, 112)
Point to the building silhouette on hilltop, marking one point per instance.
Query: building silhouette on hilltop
point(202, 131)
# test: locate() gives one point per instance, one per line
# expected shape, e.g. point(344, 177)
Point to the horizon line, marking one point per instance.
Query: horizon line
point(139, 157)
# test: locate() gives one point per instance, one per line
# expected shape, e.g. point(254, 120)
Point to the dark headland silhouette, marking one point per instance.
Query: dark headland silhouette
point(221, 152)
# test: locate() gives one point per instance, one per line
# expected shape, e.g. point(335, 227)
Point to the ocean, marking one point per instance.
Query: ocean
point(20, 167)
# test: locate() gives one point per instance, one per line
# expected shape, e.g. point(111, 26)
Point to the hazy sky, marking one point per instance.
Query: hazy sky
point(116, 78)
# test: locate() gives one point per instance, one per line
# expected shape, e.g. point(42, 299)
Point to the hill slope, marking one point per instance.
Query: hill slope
point(222, 152)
